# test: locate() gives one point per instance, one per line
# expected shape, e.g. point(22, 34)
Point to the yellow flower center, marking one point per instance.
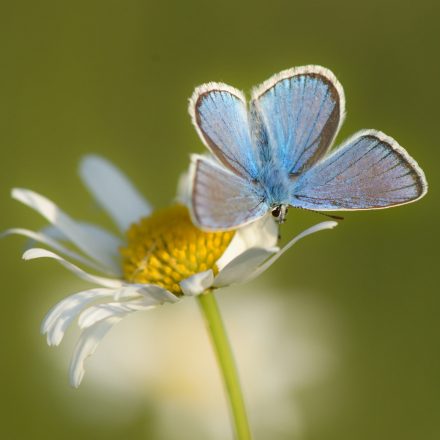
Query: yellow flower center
point(166, 248)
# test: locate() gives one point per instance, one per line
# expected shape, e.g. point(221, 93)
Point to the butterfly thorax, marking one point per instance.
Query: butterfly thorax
point(275, 181)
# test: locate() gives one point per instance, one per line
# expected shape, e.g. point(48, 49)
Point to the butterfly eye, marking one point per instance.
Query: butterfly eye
point(276, 211)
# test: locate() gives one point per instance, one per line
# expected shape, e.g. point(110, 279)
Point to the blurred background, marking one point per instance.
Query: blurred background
point(339, 340)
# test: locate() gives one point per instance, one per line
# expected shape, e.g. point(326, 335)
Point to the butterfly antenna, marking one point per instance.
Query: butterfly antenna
point(334, 217)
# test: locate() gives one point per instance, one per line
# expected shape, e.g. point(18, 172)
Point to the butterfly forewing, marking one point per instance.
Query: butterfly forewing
point(301, 110)
point(222, 200)
point(220, 116)
point(370, 171)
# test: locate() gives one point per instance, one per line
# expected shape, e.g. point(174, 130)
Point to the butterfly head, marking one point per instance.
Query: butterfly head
point(280, 212)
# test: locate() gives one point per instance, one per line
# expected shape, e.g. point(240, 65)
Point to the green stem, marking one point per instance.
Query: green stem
point(225, 359)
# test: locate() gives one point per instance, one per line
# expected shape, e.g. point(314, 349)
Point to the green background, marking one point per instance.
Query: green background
point(114, 77)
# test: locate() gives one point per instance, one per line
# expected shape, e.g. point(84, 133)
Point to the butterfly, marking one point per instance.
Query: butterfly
point(273, 153)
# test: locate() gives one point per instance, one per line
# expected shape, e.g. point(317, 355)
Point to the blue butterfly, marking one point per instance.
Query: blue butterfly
point(273, 155)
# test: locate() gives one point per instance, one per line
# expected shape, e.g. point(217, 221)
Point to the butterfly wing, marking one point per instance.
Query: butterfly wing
point(222, 200)
point(370, 171)
point(220, 116)
point(297, 115)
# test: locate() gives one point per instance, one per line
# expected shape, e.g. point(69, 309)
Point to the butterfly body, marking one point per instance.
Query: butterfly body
point(273, 153)
point(275, 184)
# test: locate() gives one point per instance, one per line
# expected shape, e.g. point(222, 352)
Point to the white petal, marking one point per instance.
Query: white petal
point(59, 318)
point(260, 234)
point(99, 321)
point(101, 246)
point(34, 253)
point(86, 346)
point(53, 232)
point(54, 244)
point(319, 227)
point(113, 191)
point(198, 283)
point(126, 292)
point(108, 244)
point(184, 189)
point(240, 267)
point(108, 240)
point(141, 297)
point(160, 294)
point(100, 312)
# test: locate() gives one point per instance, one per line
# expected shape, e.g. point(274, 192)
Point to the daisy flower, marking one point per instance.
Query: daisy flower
point(158, 257)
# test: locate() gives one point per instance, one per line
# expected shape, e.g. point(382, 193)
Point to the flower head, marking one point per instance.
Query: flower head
point(166, 248)
point(158, 257)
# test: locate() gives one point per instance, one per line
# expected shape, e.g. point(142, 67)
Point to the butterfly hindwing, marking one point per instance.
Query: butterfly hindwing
point(220, 116)
point(301, 110)
point(370, 171)
point(222, 200)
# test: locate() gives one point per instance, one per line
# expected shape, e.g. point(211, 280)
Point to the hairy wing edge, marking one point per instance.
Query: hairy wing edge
point(421, 183)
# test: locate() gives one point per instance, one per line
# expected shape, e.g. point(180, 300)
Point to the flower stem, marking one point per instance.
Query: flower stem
point(226, 362)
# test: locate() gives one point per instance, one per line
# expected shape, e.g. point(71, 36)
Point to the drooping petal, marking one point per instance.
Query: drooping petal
point(86, 346)
point(34, 253)
point(239, 268)
point(159, 294)
point(140, 297)
point(100, 312)
point(101, 246)
point(113, 191)
point(259, 270)
point(97, 321)
point(198, 283)
point(54, 244)
point(260, 234)
point(58, 319)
